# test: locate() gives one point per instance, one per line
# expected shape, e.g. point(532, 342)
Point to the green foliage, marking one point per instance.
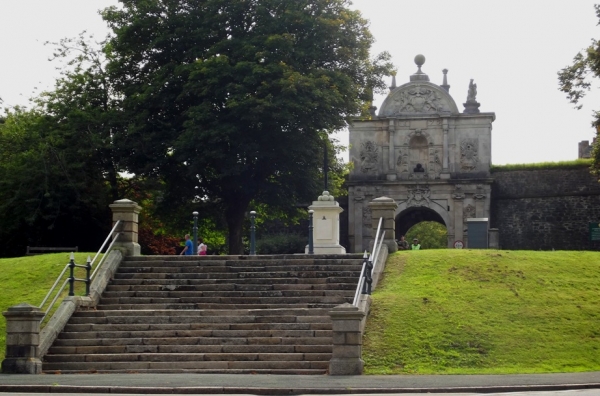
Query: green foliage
point(578, 163)
point(50, 194)
point(230, 101)
point(431, 235)
point(485, 312)
point(575, 81)
point(281, 244)
point(28, 279)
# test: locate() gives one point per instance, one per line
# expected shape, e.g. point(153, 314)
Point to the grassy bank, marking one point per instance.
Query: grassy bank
point(484, 312)
point(28, 279)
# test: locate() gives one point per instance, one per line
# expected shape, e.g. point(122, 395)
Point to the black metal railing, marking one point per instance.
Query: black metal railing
point(369, 262)
point(71, 279)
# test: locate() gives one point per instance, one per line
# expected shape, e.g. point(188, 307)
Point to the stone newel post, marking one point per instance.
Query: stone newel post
point(127, 211)
point(385, 207)
point(22, 340)
point(346, 358)
point(326, 220)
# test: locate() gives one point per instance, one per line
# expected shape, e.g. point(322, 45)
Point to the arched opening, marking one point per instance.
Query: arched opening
point(410, 217)
point(431, 235)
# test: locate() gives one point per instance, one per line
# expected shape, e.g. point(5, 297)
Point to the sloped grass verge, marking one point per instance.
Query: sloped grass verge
point(485, 312)
point(28, 280)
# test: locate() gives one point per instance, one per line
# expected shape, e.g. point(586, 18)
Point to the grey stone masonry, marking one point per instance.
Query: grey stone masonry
point(384, 207)
point(22, 340)
point(347, 340)
point(127, 212)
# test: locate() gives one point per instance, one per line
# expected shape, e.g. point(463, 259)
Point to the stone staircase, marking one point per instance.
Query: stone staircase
point(210, 314)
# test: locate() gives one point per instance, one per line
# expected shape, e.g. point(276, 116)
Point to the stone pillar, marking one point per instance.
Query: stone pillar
point(128, 212)
point(346, 358)
point(326, 222)
point(385, 207)
point(22, 340)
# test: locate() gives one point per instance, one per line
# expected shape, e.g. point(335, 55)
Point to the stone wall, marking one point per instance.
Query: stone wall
point(545, 209)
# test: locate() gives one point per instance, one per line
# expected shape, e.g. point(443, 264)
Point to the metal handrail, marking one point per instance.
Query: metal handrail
point(368, 265)
point(112, 234)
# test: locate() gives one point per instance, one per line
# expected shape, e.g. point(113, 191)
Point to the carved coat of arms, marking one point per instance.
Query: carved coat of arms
point(418, 196)
point(369, 157)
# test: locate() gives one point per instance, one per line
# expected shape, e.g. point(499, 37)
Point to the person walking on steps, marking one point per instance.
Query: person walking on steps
point(188, 250)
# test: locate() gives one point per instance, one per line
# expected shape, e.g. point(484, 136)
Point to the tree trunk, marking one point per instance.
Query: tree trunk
point(235, 214)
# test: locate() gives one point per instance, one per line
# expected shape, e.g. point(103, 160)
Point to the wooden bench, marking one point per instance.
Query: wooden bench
point(31, 250)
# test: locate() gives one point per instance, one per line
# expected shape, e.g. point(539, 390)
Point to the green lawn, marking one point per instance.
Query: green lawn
point(28, 279)
point(485, 312)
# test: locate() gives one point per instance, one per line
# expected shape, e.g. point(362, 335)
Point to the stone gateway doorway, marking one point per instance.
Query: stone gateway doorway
point(419, 150)
point(413, 216)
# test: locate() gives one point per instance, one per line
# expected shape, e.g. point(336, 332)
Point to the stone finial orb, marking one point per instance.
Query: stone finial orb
point(419, 75)
point(419, 60)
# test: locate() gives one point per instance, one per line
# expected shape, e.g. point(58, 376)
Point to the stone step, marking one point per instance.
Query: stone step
point(204, 306)
point(206, 333)
point(243, 273)
point(182, 285)
point(174, 366)
point(225, 293)
point(297, 341)
point(226, 266)
point(205, 312)
point(214, 314)
point(135, 319)
point(187, 357)
point(81, 327)
point(228, 300)
point(235, 278)
point(274, 257)
point(185, 348)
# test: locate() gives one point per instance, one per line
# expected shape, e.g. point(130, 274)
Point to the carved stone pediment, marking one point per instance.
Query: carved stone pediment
point(418, 97)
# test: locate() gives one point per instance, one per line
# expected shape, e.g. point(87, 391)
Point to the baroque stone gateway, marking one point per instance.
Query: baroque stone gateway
point(421, 151)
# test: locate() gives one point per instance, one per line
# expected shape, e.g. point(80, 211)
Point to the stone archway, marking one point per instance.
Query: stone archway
point(414, 215)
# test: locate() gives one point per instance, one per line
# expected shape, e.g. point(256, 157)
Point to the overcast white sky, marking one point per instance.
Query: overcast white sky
point(511, 48)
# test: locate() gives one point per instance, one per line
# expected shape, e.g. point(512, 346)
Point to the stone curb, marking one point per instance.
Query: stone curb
point(57, 389)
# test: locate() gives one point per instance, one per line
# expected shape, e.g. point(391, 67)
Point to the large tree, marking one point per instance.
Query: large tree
point(576, 80)
point(228, 100)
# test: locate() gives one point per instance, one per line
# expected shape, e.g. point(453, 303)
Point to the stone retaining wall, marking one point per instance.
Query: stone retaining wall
point(545, 209)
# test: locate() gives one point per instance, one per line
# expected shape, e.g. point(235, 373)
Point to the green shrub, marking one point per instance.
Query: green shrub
point(281, 244)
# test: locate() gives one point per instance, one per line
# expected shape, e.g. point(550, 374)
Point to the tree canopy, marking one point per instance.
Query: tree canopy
point(231, 100)
point(576, 80)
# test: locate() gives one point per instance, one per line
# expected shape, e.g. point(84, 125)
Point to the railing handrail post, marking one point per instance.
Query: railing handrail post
point(311, 249)
point(88, 269)
point(72, 275)
point(252, 233)
point(195, 245)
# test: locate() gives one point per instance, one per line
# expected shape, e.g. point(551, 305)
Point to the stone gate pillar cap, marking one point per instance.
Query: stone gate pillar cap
point(124, 201)
point(22, 307)
point(383, 199)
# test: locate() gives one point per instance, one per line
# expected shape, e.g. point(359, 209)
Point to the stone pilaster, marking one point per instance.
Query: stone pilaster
point(128, 212)
point(22, 340)
point(385, 207)
point(346, 358)
point(391, 172)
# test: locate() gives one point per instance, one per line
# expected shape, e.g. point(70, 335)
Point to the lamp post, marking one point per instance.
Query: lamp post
point(252, 233)
point(311, 249)
point(195, 246)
